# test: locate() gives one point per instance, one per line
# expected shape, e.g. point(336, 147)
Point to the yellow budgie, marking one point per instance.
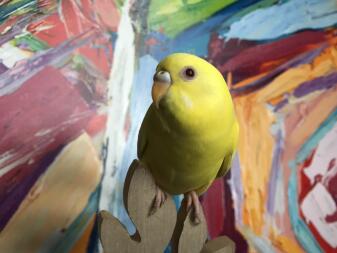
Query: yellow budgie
point(189, 134)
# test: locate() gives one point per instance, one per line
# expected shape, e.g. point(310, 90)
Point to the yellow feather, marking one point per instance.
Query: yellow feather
point(191, 137)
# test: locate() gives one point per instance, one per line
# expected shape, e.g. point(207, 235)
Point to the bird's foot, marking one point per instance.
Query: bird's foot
point(192, 201)
point(158, 200)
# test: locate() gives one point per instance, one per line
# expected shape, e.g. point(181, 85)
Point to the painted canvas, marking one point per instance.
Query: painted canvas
point(75, 80)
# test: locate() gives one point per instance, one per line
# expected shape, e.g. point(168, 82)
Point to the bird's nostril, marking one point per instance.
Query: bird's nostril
point(162, 76)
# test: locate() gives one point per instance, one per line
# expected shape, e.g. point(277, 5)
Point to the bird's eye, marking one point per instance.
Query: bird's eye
point(188, 73)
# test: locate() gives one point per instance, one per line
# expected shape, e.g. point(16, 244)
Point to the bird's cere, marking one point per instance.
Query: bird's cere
point(162, 77)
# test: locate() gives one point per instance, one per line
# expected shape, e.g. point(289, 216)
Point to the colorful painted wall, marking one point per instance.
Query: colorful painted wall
point(75, 80)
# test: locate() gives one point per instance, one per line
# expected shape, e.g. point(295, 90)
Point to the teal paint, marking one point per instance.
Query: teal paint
point(313, 141)
point(301, 230)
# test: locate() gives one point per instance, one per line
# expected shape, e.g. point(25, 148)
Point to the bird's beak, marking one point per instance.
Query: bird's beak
point(161, 83)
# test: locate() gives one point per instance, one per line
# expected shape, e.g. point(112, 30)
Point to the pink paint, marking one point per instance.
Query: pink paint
point(214, 207)
point(36, 121)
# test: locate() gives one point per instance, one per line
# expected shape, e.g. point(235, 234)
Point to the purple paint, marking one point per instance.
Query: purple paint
point(320, 83)
point(281, 104)
point(229, 229)
point(19, 26)
point(3, 68)
point(262, 82)
point(16, 76)
point(275, 170)
point(236, 185)
point(11, 202)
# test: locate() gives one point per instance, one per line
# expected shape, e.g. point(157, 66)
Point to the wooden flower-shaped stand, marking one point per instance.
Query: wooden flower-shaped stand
point(155, 231)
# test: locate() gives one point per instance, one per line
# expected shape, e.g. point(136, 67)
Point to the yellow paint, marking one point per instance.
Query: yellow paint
point(255, 121)
point(285, 244)
point(256, 141)
point(250, 80)
point(292, 78)
point(55, 201)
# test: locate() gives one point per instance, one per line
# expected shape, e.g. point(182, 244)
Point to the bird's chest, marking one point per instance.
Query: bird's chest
point(183, 161)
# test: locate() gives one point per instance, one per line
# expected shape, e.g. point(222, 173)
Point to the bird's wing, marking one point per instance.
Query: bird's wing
point(142, 135)
point(227, 162)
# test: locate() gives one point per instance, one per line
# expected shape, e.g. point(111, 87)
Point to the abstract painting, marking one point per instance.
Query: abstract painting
point(75, 81)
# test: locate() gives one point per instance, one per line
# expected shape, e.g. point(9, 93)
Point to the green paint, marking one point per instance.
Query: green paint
point(239, 15)
point(119, 3)
point(28, 41)
point(17, 7)
point(177, 15)
point(78, 62)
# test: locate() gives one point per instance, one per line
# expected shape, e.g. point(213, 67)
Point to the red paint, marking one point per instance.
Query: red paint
point(218, 207)
point(99, 52)
point(254, 60)
point(305, 184)
point(214, 208)
point(96, 124)
point(305, 187)
point(47, 101)
point(54, 35)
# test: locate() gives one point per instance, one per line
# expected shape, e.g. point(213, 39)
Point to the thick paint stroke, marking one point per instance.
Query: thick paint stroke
point(262, 82)
point(33, 127)
point(284, 19)
point(300, 228)
point(15, 77)
point(174, 16)
point(251, 61)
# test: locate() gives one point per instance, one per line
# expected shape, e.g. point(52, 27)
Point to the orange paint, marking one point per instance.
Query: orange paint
point(81, 244)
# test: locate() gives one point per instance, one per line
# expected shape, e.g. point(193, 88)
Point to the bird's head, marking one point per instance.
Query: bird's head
point(186, 85)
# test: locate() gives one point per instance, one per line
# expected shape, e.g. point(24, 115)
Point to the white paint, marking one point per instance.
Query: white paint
point(16, 163)
point(10, 55)
point(316, 205)
point(120, 84)
point(279, 194)
point(5, 156)
point(325, 152)
point(330, 174)
point(43, 132)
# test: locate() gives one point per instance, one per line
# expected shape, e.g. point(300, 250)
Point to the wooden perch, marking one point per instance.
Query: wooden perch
point(155, 231)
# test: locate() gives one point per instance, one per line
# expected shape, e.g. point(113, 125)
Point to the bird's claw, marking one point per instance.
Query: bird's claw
point(192, 201)
point(158, 200)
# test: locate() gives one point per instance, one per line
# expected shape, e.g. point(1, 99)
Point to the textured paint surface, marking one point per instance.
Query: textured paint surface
point(78, 73)
point(42, 221)
point(55, 57)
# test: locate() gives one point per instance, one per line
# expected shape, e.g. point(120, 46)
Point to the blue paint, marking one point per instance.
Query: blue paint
point(75, 230)
point(241, 12)
point(259, 243)
point(301, 230)
point(196, 38)
point(14, 8)
point(275, 171)
point(139, 102)
point(284, 19)
point(313, 141)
